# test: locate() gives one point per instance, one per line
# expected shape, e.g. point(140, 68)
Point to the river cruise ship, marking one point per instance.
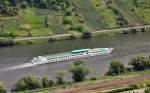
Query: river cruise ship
point(74, 54)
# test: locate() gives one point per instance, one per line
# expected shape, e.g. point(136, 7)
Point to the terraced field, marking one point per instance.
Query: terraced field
point(96, 14)
point(92, 15)
point(125, 6)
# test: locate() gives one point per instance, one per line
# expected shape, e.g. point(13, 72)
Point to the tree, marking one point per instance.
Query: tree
point(79, 71)
point(116, 68)
point(140, 62)
point(2, 88)
point(46, 82)
point(10, 7)
point(59, 77)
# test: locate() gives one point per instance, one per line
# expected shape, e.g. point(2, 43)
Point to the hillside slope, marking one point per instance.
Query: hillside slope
point(50, 17)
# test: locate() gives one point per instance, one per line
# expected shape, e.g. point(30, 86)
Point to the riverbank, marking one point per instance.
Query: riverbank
point(102, 83)
point(71, 36)
point(102, 33)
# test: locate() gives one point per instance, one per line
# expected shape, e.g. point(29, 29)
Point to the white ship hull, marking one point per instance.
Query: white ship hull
point(71, 56)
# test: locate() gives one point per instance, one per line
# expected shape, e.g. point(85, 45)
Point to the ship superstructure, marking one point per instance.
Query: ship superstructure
point(75, 54)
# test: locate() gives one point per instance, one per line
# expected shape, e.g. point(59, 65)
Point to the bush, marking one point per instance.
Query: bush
point(139, 62)
point(86, 35)
point(27, 83)
point(59, 77)
point(68, 12)
point(2, 88)
point(26, 27)
point(79, 71)
point(76, 27)
point(12, 34)
point(30, 42)
point(116, 68)
point(120, 90)
point(126, 31)
point(133, 30)
point(147, 84)
point(8, 34)
point(72, 36)
point(133, 86)
point(147, 90)
point(93, 78)
point(143, 29)
point(6, 42)
point(46, 82)
point(129, 69)
point(67, 21)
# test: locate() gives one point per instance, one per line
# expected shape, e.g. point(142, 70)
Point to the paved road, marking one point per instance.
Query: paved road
point(65, 35)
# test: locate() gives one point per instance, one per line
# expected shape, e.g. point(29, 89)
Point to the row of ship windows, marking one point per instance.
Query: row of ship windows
point(71, 56)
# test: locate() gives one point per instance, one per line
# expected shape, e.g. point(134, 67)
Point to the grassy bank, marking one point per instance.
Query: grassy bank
point(91, 81)
point(72, 36)
point(103, 33)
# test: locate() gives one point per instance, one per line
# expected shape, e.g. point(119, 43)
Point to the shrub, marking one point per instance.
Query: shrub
point(129, 69)
point(79, 71)
point(93, 78)
point(126, 31)
point(28, 82)
point(119, 90)
point(67, 21)
point(8, 34)
point(147, 84)
point(116, 68)
point(143, 29)
point(12, 34)
point(72, 36)
point(2, 88)
point(133, 86)
point(133, 30)
point(86, 35)
point(77, 27)
point(68, 12)
point(6, 42)
point(59, 77)
point(46, 82)
point(147, 90)
point(139, 62)
point(26, 27)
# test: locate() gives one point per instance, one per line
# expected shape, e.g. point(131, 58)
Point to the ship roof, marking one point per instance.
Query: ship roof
point(76, 51)
point(100, 49)
point(80, 50)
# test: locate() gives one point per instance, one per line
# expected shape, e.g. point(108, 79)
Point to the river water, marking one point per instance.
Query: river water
point(125, 46)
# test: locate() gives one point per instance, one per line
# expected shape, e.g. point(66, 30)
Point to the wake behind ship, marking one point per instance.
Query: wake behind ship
point(75, 54)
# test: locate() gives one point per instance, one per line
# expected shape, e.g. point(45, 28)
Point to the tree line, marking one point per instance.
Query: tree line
point(11, 7)
point(136, 63)
point(78, 70)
